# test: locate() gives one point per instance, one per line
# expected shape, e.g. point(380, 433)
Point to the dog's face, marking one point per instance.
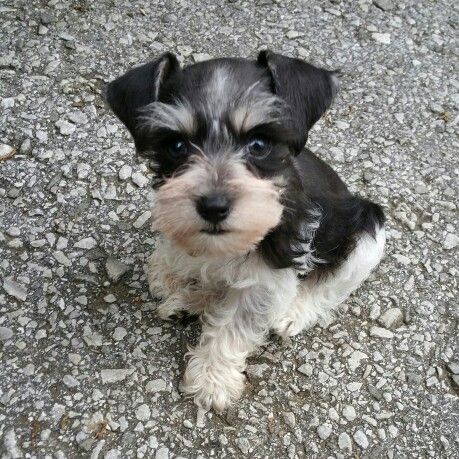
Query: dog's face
point(222, 135)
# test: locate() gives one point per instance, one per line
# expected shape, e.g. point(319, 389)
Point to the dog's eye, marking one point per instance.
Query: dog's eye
point(178, 148)
point(258, 148)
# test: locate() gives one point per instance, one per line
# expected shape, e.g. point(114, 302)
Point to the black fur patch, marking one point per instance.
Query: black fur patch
point(308, 91)
point(314, 185)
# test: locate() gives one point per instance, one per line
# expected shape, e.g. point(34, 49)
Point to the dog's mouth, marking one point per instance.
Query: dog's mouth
point(214, 231)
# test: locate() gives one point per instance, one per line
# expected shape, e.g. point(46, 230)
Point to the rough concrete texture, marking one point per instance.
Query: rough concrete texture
point(87, 370)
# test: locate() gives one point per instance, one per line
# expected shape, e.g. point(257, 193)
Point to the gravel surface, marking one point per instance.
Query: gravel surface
point(87, 370)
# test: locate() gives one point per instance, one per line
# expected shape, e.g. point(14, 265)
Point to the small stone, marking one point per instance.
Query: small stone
point(7, 102)
point(142, 219)
point(46, 18)
point(185, 50)
point(324, 431)
point(421, 188)
point(354, 386)
point(97, 449)
point(119, 333)
point(439, 126)
point(112, 454)
point(402, 259)
point(392, 318)
point(156, 385)
point(111, 375)
point(381, 37)
point(77, 117)
point(385, 5)
point(14, 289)
point(83, 170)
point(450, 242)
point(26, 146)
point(45, 434)
point(291, 34)
point(344, 442)
point(92, 338)
point(188, 424)
point(86, 243)
point(6, 151)
point(65, 128)
point(5, 333)
point(162, 453)
point(10, 447)
point(361, 439)
point(257, 370)
point(355, 359)
point(166, 18)
point(110, 298)
point(115, 269)
point(289, 419)
point(453, 367)
point(201, 57)
point(66, 36)
point(413, 378)
point(13, 231)
point(333, 11)
point(70, 381)
point(379, 332)
point(143, 413)
point(375, 392)
point(139, 179)
point(306, 369)
point(436, 108)
point(349, 412)
point(125, 172)
point(243, 444)
point(367, 176)
point(337, 154)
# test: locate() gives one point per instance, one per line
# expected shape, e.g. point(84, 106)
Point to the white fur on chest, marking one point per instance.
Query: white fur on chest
point(240, 272)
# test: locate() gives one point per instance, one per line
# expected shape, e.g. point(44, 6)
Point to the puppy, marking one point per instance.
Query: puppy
point(256, 232)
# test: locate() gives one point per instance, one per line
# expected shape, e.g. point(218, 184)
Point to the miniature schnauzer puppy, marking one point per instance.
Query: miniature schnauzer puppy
point(257, 234)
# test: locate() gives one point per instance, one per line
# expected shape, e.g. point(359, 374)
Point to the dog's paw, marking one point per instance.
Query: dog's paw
point(215, 388)
point(172, 307)
point(157, 289)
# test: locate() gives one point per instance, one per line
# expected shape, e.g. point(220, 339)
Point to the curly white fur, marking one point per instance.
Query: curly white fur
point(239, 300)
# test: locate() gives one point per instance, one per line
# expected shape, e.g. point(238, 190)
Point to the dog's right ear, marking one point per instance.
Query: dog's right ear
point(137, 88)
point(307, 90)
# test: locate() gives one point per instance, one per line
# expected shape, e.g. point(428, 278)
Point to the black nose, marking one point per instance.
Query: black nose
point(213, 208)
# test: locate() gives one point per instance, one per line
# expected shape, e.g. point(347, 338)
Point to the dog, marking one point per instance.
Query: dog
point(257, 234)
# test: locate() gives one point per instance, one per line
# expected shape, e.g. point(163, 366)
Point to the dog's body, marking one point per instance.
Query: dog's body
point(257, 233)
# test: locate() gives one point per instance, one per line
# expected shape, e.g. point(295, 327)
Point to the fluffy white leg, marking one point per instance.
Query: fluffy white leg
point(161, 280)
point(229, 333)
point(178, 293)
point(231, 330)
point(163, 284)
point(316, 299)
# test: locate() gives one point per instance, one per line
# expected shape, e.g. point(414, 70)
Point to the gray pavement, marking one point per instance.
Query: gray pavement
point(88, 371)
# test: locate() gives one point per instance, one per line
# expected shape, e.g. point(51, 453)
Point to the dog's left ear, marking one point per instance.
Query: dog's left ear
point(137, 88)
point(307, 90)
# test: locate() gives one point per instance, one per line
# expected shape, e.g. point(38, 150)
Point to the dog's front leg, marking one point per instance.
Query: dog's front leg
point(231, 330)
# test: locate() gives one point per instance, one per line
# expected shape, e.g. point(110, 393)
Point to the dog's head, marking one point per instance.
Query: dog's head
point(222, 135)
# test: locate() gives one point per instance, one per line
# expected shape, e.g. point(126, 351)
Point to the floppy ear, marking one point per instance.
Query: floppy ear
point(139, 87)
point(308, 90)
